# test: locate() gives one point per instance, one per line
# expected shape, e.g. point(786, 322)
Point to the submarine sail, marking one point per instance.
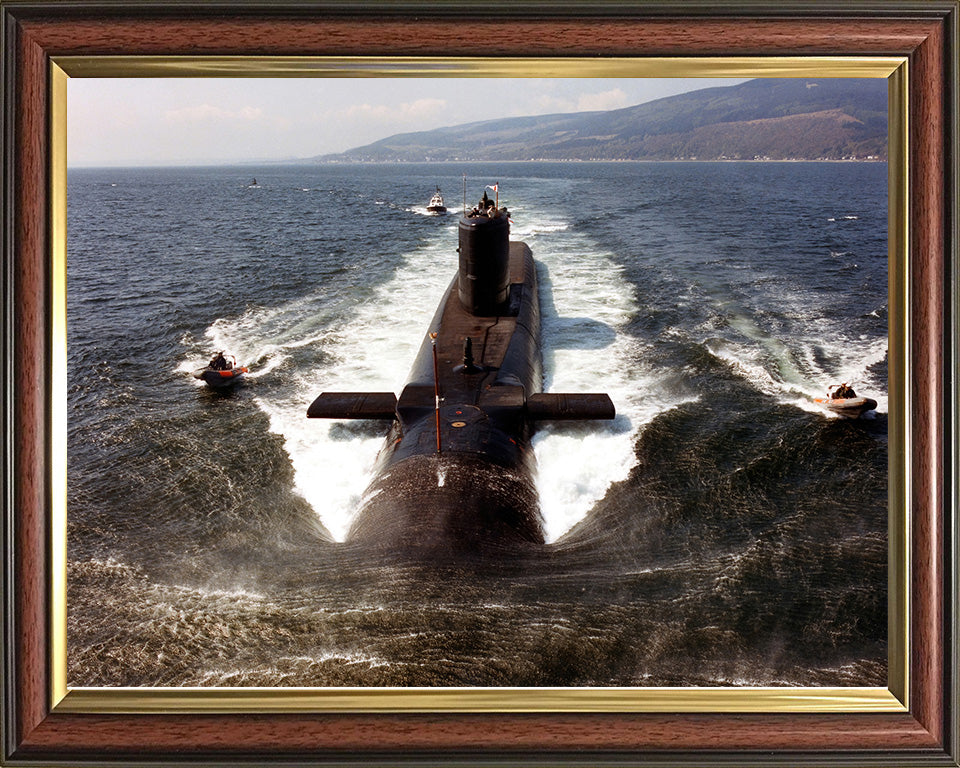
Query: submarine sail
point(456, 471)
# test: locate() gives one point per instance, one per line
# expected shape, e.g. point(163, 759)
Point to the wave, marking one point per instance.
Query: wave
point(289, 670)
point(586, 304)
point(589, 301)
point(262, 338)
point(796, 370)
point(325, 343)
point(530, 228)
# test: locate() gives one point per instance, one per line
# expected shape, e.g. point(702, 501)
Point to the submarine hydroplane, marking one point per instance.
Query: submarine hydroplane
point(456, 471)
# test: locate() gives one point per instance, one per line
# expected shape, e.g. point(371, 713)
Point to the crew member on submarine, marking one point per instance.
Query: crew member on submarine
point(456, 472)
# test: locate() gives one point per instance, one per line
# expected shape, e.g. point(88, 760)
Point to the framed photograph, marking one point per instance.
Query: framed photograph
point(734, 571)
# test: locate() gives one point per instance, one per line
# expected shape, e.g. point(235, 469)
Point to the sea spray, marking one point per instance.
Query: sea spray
point(367, 348)
point(586, 303)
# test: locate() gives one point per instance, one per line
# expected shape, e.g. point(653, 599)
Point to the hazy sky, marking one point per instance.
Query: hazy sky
point(146, 121)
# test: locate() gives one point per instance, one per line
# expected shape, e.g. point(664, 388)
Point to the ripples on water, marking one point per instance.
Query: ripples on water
point(722, 530)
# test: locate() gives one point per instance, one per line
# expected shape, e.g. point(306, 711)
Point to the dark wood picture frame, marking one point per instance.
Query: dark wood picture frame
point(926, 33)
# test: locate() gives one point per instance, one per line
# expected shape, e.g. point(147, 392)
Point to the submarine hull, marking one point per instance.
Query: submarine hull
point(456, 472)
point(449, 504)
point(473, 490)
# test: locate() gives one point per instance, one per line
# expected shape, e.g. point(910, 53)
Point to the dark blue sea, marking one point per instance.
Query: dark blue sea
point(723, 530)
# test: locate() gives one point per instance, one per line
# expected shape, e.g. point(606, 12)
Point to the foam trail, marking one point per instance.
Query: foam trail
point(795, 372)
point(371, 355)
point(586, 303)
point(262, 338)
point(363, 352)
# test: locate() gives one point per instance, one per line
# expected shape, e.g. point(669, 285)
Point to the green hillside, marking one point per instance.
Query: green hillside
point(778, 119)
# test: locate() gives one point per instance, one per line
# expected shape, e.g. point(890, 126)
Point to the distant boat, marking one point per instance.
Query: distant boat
point(436, 203)
point(253, 184)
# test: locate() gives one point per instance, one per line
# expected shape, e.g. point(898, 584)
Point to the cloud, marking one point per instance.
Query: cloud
point(340, 128)
point(584, 102)
point(548, 104)
point(407, 112)
point(203, 113)
point(596, 102)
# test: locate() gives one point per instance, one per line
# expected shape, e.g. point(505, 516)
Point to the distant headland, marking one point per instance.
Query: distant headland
point(762, 119)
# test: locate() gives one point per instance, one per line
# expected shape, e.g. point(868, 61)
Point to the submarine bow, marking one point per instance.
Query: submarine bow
point(456, 471)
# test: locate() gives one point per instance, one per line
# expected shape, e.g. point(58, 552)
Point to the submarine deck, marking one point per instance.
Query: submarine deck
point(506, 353)
point(494, 338)
point(476, 495)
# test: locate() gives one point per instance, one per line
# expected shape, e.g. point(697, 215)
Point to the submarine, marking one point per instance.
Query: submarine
point(456, 471)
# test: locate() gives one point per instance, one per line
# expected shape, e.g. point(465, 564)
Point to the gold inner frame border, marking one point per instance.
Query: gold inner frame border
point(143, 700)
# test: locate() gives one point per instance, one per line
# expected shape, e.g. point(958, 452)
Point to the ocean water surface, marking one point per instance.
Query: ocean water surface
point(723, 530)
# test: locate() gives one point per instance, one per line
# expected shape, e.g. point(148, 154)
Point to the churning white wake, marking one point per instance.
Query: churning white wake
point(800, 368)
point(367, 346)
point(586, 303)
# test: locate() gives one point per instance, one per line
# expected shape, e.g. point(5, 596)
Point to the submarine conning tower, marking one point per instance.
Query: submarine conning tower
point(483, 281)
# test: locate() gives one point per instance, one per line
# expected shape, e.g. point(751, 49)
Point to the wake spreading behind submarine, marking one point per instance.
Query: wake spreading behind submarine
point(456, 472)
